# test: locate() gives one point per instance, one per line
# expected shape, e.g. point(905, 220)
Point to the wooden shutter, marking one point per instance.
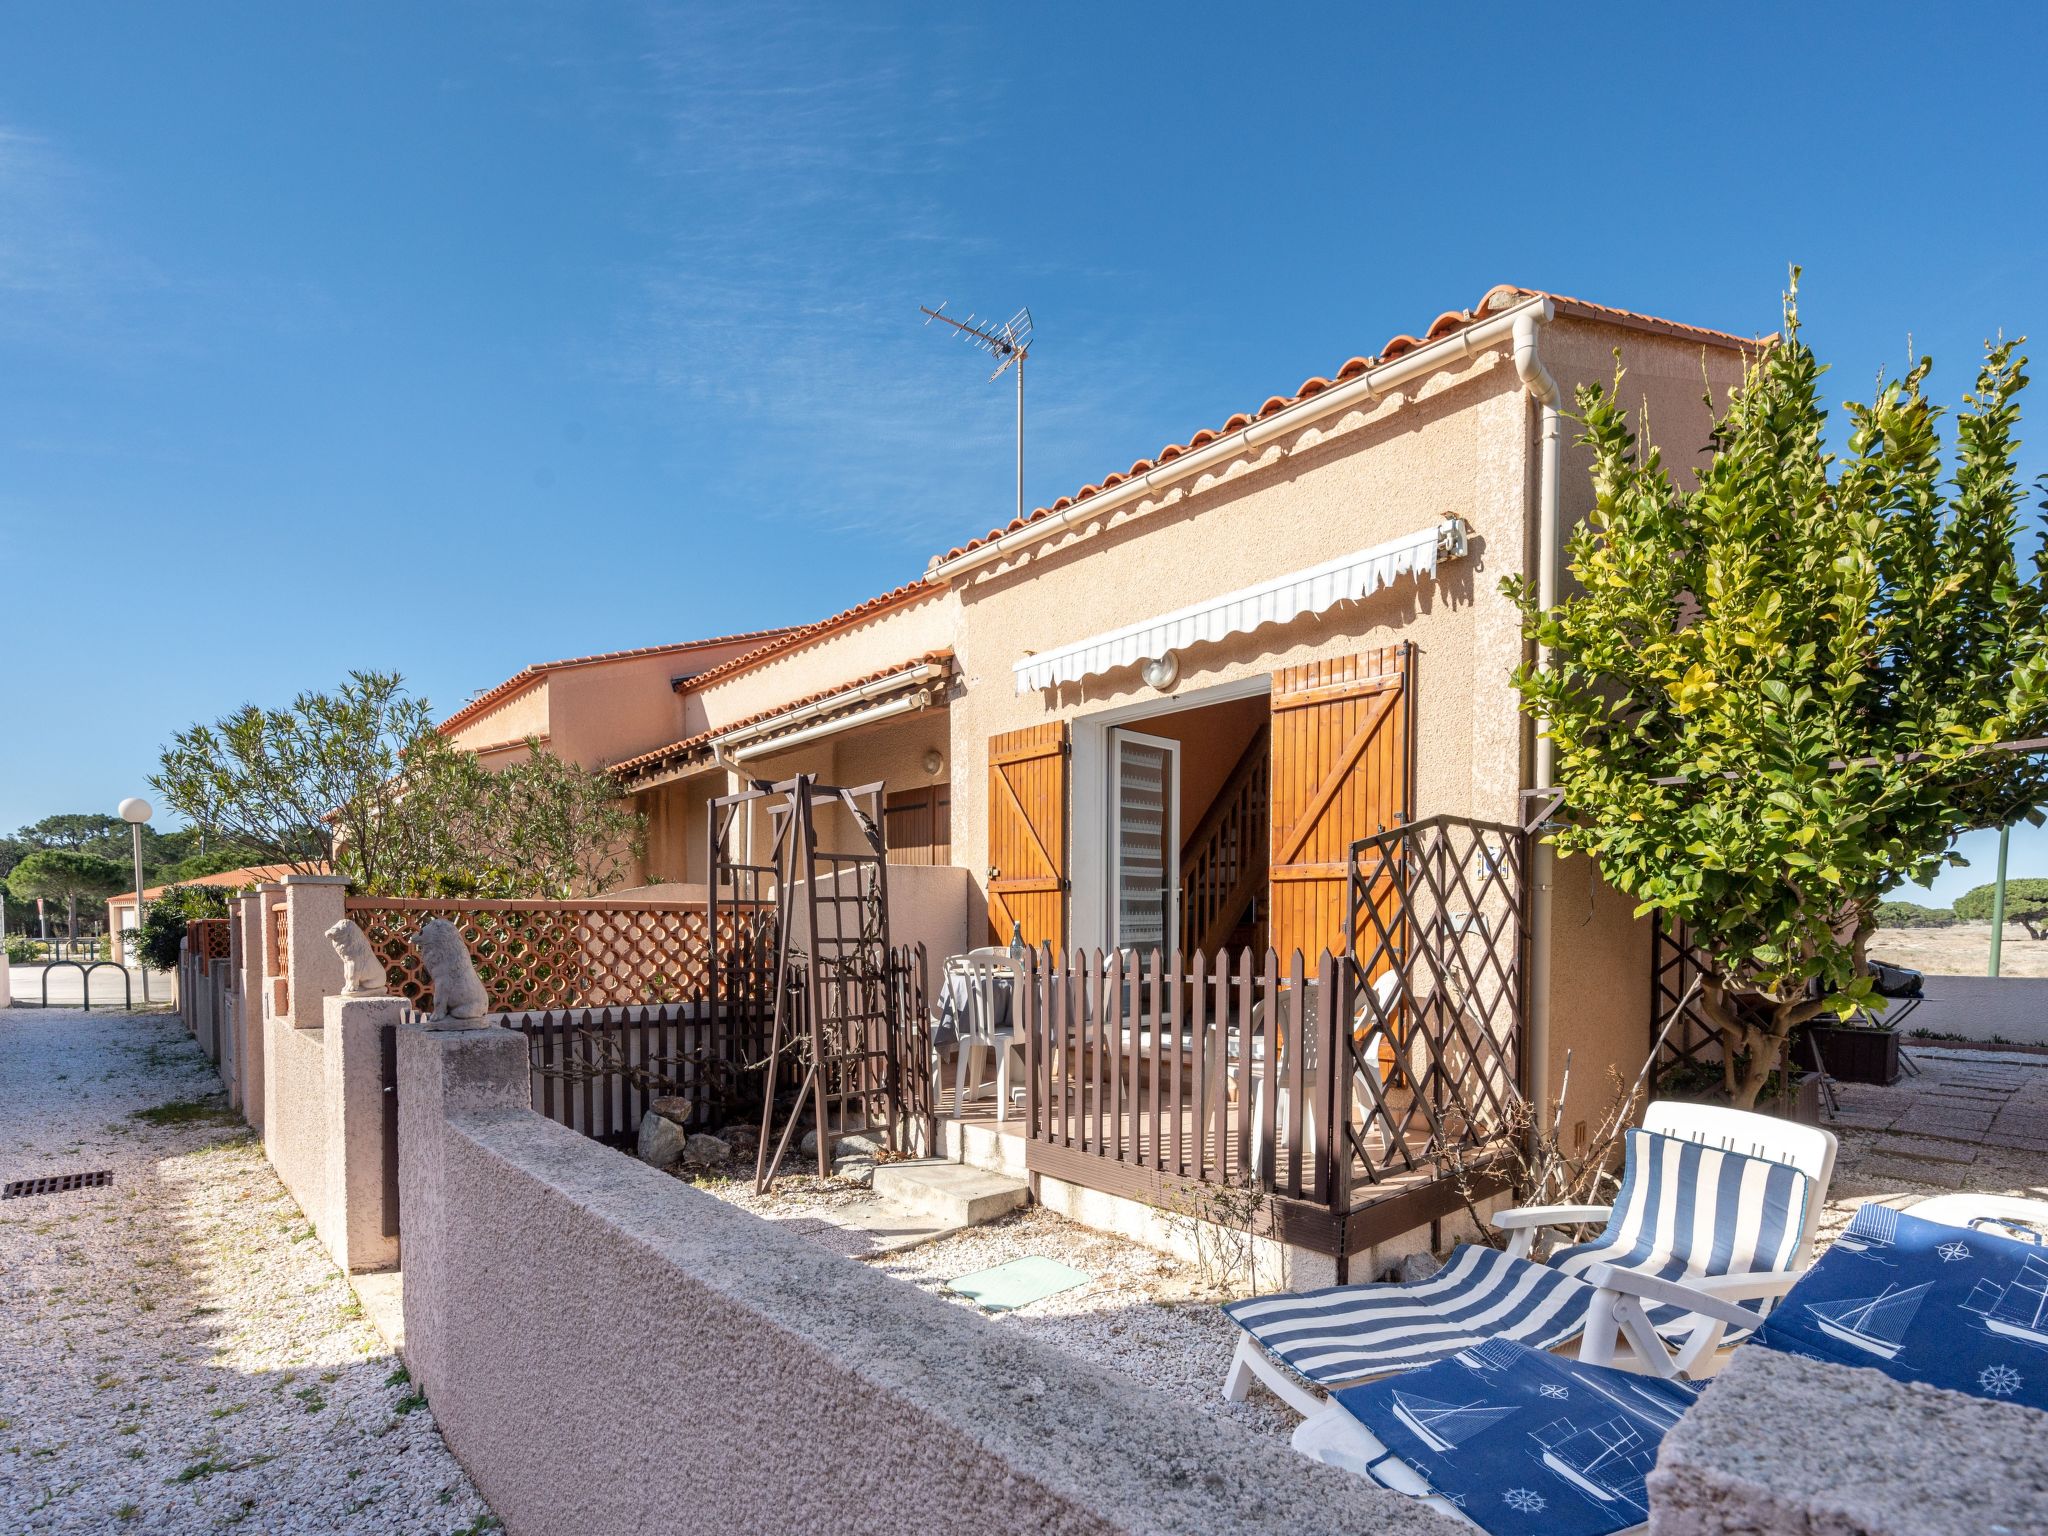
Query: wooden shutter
point(1340, 772)
point(920, 825)
point(1027, 834)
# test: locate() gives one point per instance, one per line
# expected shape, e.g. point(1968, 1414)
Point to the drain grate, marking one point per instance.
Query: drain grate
point(57, 1184)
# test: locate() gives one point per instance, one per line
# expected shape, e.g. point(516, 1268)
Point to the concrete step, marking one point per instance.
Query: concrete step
point(981, 1145)
point(951, 1191)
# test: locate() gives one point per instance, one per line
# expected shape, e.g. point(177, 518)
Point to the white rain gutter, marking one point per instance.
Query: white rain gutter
point(919, 700)
point(1537, 380)
point(1374, 382)
point(744, 741)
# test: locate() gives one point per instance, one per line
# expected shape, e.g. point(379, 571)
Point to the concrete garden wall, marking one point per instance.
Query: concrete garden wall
point(608, 1350)
point(2012, 1008)
point(1778, 1443)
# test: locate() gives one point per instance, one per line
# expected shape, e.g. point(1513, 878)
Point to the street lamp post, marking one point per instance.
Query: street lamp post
point(135, 811)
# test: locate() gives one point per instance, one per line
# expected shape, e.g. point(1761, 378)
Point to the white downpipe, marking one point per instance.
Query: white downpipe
point(1369, 385)
point(1537, 380)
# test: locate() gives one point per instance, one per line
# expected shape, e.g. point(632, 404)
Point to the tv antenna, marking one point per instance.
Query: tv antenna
point(1008, 342)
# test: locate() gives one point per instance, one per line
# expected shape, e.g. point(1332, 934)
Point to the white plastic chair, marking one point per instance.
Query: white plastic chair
point(1618, 1316)
point(981, 971)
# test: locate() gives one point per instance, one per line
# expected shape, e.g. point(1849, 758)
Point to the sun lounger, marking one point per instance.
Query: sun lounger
point(1718, 1197)
point(1523, 1443)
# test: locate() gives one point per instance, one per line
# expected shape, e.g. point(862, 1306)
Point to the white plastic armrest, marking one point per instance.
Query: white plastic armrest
point(1550, 1216)
point(1757, 1287)
point(1524, 1220)
point(1693, 1296)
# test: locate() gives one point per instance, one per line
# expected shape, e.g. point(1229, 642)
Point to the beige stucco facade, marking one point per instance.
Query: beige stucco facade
point(1338, 471)
point(1462, 443)
point(593, 710)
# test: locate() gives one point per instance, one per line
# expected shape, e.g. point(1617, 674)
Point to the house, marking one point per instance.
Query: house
point(121, 908)
point(592, 710)
point(1161, 709)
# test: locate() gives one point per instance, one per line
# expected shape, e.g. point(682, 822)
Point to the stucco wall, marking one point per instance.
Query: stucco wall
point(295, 1112)
point(614, 710)
point(523, 714)
point(610, 1350)
point(867, 645)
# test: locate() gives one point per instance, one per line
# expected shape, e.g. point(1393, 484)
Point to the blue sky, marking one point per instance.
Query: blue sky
point(449, 338)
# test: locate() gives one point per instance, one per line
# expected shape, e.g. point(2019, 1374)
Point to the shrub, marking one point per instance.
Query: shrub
point(1910, 914)
point(163, 925)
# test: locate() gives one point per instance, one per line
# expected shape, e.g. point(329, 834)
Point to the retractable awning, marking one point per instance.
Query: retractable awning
point(1278, 601)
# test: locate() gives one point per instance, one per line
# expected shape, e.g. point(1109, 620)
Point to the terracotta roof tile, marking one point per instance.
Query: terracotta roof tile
point(526, 675)
point(662, 757)
point(791, 639)
point(1448, 323)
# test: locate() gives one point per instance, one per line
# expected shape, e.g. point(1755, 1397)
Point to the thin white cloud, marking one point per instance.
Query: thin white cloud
point(808, 200)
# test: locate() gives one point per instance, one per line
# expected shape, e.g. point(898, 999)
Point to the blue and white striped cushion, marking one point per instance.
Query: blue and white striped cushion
point(1350, 1331)
point(1684, 1210)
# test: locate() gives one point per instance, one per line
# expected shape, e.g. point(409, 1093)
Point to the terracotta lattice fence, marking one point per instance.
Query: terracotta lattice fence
point(206, 940)
point(552, 954)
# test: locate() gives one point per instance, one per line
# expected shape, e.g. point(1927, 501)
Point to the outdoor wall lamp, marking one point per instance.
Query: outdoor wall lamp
point(1162, 672)
point(934, 760)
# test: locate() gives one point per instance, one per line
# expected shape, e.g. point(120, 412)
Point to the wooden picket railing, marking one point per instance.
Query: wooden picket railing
point(1206, 1073)
point(1344, 1095)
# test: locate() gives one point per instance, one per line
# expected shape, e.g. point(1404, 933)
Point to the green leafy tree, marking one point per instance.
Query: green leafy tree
point(359, 781)
point(315, 786)
point(62, 874)
point(1911, 914)
point(106, 836)
point(163, 924)
point(1773, 698)
point(2026, 903)
point(539, 826)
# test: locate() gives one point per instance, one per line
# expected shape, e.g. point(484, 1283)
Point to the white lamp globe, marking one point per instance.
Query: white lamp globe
point(135, 809)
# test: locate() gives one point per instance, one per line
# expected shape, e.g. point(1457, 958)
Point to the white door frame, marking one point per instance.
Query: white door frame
point(1169, 833)
point(1090, 868)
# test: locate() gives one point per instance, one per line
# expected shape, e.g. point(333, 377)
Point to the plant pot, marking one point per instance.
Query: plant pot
point(1858, 1055)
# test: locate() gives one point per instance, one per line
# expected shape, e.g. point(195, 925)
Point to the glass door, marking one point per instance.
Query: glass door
point(1144, 808)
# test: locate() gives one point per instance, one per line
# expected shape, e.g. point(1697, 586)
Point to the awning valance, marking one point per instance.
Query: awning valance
point(1278, 601)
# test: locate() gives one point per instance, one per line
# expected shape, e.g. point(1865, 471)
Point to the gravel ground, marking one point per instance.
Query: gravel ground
point(1154, 1318)
point(176, 1351)
point(1144, 1314)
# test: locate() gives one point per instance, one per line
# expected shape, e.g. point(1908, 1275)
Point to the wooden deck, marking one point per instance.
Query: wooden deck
point(1182, 1171)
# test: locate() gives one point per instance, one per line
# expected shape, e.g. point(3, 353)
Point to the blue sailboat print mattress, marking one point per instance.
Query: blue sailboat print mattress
point(1956, 1307)
point(1526, 1444)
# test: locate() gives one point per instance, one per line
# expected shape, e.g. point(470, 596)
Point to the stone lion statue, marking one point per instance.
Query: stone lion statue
point(361, 974)
point(458, 994)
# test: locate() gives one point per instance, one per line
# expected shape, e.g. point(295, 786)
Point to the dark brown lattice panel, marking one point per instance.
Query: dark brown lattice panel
point(1438, 906)
point(551, 955)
